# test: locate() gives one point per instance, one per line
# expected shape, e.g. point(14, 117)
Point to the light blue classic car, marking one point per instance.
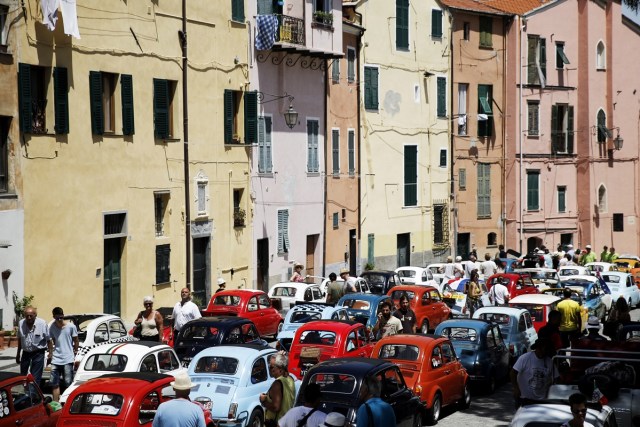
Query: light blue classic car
point(516, 327)
point(363, 308)
point(228, 381)
point(303, 313)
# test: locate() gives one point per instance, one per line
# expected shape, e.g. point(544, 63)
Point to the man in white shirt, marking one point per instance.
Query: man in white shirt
point(499, 294)
point(459, 267)
point(451, 270)
point(488, 266)
point(308, 413)
point(184, 311)
point(471, 265)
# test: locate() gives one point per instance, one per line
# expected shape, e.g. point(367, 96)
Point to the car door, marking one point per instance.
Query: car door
point(253, 313)
point(530, 334)
point(633, 290)
point(437, 375)
point(316, 294)
point(396, 393)
point(23, 405)
point(500, 352)
point(149, 364)
point(453, 379)
point(437, 308)
point(271, 317)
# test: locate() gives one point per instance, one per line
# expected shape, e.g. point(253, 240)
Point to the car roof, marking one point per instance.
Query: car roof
point(512, 311)
point(579, 278)
point(334, 325)
point(420, 340)
point(239, 292)
point(123, 383)
point(365, 297)
point(357, 366)
point(465, 323)
point(542, 299)
point(536, 269)
point(239, 351)
point(130, 348)
point(413, 288)
point(410, 268)
point(550, 413)
point(220, 320)
point(614, 273)
point(293, 285)
point(9, 375)
point(150, 377)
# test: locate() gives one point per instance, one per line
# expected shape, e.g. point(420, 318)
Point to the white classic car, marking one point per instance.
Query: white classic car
point(137, 356)
point(416, 276)
point(291, 292)
point(555, 414)
point(361, 285)
point(303, 313)
point(437, 271)
point(622, 285)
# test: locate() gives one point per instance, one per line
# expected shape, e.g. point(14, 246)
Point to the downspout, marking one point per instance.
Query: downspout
point(454, 208)
point(520, 28)
point(359, 172)
point(326, 167)
point(504, 137)
point(185, 131)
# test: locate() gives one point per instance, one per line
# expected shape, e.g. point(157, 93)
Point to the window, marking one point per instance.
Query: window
point(603, 131)
point(466, 30)
point(443, 158)
point(442, 96)
point(486, 30)
point(602, 199)
point(335, 71)
point(313, 165)
point(335, 148)
point(562, 129)
point(484, 190)
point(562, 199)
point(561, 58)
point(600, 56)
point(33, 86)
point(239, 213)
point(259, 371)
point(416, 94)
point(463, 89)
point(163, 108)
point(264, 302)
point(283, 231)
point(4, 153)
point(232, 116)
point(533, 190)
point(265, 160)
point(492, 239)
point(115, 224)
point(160, 202)
point(436, 23)
point(371, 88)
point(351, 65)
point(410, 175)
point(336, 221)
point(402, 24)
point(618, 222)
point(533, 117)
point(344, 215)
point(438, 224)
point(351, 134)
point(462, 179)
point(371, 240)
point(24, 396)
point(536, 60)
point(149, 364)
point(237, 10)
point(202, 197)
point(163, 270)
point(4, 10)
point(485, 114)
point(102, 92)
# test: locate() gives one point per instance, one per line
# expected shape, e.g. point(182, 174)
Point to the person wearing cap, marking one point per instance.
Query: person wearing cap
point(221, 285)
point(180, 412)
point(605, 255)
point(308, 414)
point(184, 311)
point(297, 273)
point(571, 318)
point(533, 373)
point(588, 256)
point(63, 339)
point(150, 321)
point(570, 250)
point(373, 411)
point(459, 267)
point(349, 282)
point(593, 330)
point(334, 419)
point(450, 269)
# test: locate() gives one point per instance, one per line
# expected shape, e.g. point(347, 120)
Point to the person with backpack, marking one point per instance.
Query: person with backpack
point(307, 415)
point(499, 294)
point(374, 411)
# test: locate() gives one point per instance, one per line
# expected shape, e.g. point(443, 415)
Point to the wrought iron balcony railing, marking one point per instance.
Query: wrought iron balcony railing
point(290, 30)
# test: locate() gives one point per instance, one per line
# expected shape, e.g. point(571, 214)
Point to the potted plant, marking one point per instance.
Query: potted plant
point(19, 304)
point(323, 17)
point(239, 216)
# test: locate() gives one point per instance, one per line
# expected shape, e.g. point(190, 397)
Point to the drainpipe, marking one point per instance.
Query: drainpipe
point(520, 28)
point(185, 131)
point(503, 160)
point(359, 151)
point(454, 210)
point(326, 167)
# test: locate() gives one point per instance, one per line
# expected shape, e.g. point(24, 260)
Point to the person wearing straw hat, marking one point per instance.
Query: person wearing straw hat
point(222, 285)
point(297, 273)
point(593, 330)
point(334, 419)
point(180, 412)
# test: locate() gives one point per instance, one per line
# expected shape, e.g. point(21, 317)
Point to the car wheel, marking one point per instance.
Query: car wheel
point(465, 402)
point(255, 420)
point(425, 327)
point(280, 325)
point(433, 413)
point(417, 421)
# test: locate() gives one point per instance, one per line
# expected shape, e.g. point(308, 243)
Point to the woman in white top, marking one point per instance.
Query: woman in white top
point(151, 321)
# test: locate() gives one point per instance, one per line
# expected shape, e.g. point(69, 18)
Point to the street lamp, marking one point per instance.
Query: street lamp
point(290, 116)
point(617, 142)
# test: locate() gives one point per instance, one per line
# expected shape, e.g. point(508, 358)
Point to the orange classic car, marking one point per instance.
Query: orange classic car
point(426, 302)
point(430, 367)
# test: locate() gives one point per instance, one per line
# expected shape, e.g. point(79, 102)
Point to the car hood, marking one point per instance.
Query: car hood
point(410, 372)
point(229, 310)
point(221, 389)
point(189, 348)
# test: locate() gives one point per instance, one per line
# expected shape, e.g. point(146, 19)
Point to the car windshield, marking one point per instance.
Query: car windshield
point(499, 318)
point(399, 352)
point(395, 295)
point(106, 362)
point(305, 316)
point(356, 304)
point(217, 365)
point(334, 383)
point(536, 311)
point(406, 273)
point(374, 279)
point(200, 332)
point(317, 337)
point(227, 300)
point(611, 279)
point(460, 334)
point(96, 403)
point(569, 272)
point(284, 291)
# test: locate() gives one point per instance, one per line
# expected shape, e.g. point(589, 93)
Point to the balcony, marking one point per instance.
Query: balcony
point(290, 30)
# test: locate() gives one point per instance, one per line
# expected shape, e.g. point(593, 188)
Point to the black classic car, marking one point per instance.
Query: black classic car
point(381, 281)
point(207, 332)
point(341, 379)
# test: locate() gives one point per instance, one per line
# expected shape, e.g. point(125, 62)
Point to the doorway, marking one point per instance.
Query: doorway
point(352, 251)
point(112, 275)
point(464, 245)
point(532, 243)
point(263, 264)
point(404, 249)
point(201, 282)
point(312, 242)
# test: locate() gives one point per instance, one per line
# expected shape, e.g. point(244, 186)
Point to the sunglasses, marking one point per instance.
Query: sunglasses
point(59, 318)
point(579, 411)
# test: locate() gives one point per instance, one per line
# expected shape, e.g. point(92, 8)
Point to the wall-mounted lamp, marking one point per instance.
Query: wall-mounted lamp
point(290, 116)
point(5, 274)
point(618, 141)
point(605, 133)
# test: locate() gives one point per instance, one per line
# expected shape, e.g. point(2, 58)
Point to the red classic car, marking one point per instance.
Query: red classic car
point(128, 399)
point(430, 367)
point(426, 302)
point(516, 283)
point(321, 340)
point(22, 402)
point(251, 304)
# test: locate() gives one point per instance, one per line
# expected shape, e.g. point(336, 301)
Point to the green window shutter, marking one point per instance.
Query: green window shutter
point(95, 93)
point(543, 57)
point(228, 116)
point(126, 92)
point(285, 229)
point(484, 190)
point(250, 116)
point(371, 240)
point(532, 69)
point(316, 165)
point(562, 199)
point(237, 10)
point(261, 145)
point(265, 7)
point(280, 232)
point(533, 191)
point(335, 71)
point(161, 108)
point(352, 153)
point(410, 175)
point(555, 135)
point(442, 97)
point(570, 129)
point(402, 24)
point(351, 65)
point(25, 100)
point(436, 23)
point(267, 145)
point(335, 143)
point(370, 88)
point(61, 100)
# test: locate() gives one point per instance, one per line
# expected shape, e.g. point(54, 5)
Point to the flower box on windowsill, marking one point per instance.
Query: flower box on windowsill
point(323, 19)
point(239, 216)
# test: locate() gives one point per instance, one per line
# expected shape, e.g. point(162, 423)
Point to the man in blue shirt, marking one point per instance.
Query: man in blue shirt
point(33, 338)
point(180, 412)
point(373, 411)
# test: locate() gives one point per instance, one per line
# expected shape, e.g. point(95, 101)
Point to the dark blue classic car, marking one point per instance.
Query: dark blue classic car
point(480, 347)
point(381, 281)
point(207, 332)
point(340, 381)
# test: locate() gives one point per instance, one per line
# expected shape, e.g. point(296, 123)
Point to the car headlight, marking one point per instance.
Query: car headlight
point(233, 408)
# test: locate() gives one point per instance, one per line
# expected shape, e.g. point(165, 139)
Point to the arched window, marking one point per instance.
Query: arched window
point(602, 199)
point(603, 132)
point(600, 56)
point(492, 239)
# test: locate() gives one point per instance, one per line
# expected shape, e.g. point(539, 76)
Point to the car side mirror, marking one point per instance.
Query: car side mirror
point(48, 399)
